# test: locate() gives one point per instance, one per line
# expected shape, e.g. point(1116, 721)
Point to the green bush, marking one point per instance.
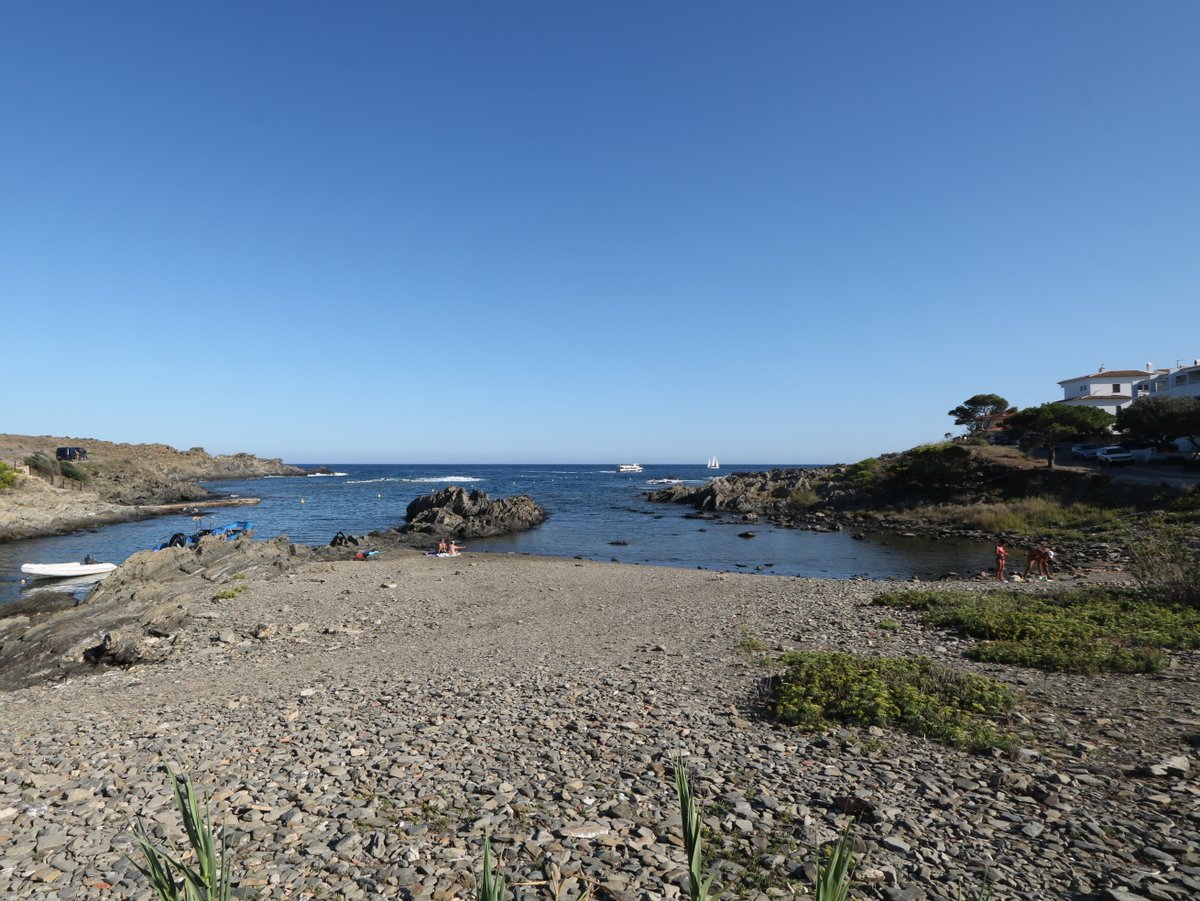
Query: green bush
point(915, 694)
point(864, 472)
point(1082, 631)
point(1166, 563)
point(8, 476)
point(803, 498)
point(935, 472)
point(48, 469)
point(42, 465)
point(71, 471)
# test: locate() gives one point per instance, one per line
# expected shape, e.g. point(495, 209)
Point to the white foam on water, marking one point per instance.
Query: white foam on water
point(445, 479)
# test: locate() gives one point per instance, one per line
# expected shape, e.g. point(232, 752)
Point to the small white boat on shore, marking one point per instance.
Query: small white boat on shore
point(629, 467)
point(66, 570)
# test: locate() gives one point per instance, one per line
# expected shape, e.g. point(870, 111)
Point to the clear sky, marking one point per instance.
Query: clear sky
point(585, 231)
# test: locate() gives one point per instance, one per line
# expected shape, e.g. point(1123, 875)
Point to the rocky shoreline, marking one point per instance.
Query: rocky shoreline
point(747, 497)
point(362, 724)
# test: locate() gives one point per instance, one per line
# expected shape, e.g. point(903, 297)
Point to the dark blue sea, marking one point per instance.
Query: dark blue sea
point(595, 513)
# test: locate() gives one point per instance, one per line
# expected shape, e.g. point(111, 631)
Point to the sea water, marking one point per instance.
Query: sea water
point(594, 513)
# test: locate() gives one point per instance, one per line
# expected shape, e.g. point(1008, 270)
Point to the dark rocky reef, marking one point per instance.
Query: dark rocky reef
point(453, 513)
point(771, 493)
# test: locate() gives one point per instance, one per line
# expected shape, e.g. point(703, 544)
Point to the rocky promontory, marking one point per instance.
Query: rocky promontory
point(455, 513)
point(115, 483)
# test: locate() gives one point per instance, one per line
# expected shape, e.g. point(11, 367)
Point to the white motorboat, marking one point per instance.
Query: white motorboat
point(66, 570)
point(629, 467)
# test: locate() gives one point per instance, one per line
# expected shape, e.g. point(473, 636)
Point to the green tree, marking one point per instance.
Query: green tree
point(1050, 424)
point(1160, 420)
point(980, 412)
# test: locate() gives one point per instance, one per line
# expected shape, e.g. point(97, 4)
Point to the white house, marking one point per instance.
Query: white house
point(1108, 389)
point(1182, 381)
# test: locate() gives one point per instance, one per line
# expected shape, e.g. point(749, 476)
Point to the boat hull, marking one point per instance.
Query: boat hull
point(66, 570)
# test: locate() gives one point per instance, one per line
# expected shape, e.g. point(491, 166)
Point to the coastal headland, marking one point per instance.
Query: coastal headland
point(116, 483)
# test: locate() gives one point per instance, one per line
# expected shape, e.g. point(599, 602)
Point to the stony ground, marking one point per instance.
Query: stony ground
point(361, 725)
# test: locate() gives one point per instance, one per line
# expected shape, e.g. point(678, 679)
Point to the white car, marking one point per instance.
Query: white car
point(1114, 454)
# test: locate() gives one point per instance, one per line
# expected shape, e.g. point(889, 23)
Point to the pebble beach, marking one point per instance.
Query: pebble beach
point(360, 726)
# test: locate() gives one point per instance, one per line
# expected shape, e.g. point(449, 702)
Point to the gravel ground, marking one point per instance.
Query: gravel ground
point(361, 725)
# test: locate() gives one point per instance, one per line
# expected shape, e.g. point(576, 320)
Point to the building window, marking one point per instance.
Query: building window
point(1180, 380)
point(1116, 389)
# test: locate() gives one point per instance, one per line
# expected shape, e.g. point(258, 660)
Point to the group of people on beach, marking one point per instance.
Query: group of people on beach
point(1039, 559)
point(448, 548)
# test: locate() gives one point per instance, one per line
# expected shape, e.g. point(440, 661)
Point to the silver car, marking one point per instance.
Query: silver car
point(1114, 454)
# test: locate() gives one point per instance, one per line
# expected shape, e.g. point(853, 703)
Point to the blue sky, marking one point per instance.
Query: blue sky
point(601, 232)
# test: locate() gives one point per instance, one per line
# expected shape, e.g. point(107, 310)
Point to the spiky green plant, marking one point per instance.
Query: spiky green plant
point(172, 879)
point(491, 886)
point(833, 873)
point(698, 883)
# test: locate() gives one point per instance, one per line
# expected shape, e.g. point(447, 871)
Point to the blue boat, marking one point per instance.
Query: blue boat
point(229, 531)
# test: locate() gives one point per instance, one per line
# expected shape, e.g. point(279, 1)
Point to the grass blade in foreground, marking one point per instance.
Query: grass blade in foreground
point(833, 875)
point(491, 886)
point(171, 878)
point(698, 884)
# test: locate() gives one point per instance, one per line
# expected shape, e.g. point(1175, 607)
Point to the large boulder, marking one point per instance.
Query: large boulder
point(453, 513)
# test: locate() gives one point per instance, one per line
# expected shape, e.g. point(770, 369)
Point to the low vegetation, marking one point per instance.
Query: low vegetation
point(1166, 562)
point(1082, 631)
point(915, 694)
point(8, 476)
point(50, 469)
point(1028, 516)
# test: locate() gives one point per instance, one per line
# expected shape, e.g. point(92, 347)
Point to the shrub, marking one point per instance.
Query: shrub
point(915, 694)
point(1082, 631)
point(1166, 564)
point(864, 472)
point(48, 468)
point(42, 465)
point(803, 498)
point(8, 476)
point(71, 471)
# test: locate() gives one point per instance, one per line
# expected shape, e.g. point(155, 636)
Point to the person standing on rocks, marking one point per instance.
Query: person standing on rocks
point(1001, 562)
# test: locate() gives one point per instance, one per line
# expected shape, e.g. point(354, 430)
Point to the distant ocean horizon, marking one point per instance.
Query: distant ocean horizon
point(594, 512)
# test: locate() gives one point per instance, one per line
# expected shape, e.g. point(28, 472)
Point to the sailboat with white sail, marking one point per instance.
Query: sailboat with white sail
point(713, 463)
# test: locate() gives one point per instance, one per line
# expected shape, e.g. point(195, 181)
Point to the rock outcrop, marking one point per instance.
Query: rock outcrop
point(767, 493)
point(132, 615)
point(453, 513)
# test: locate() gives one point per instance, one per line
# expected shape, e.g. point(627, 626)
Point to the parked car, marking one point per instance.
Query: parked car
point(1114, 454)
point(1085, 451)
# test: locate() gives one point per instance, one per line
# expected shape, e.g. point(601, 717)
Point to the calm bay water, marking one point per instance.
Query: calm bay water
point(590, 508)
